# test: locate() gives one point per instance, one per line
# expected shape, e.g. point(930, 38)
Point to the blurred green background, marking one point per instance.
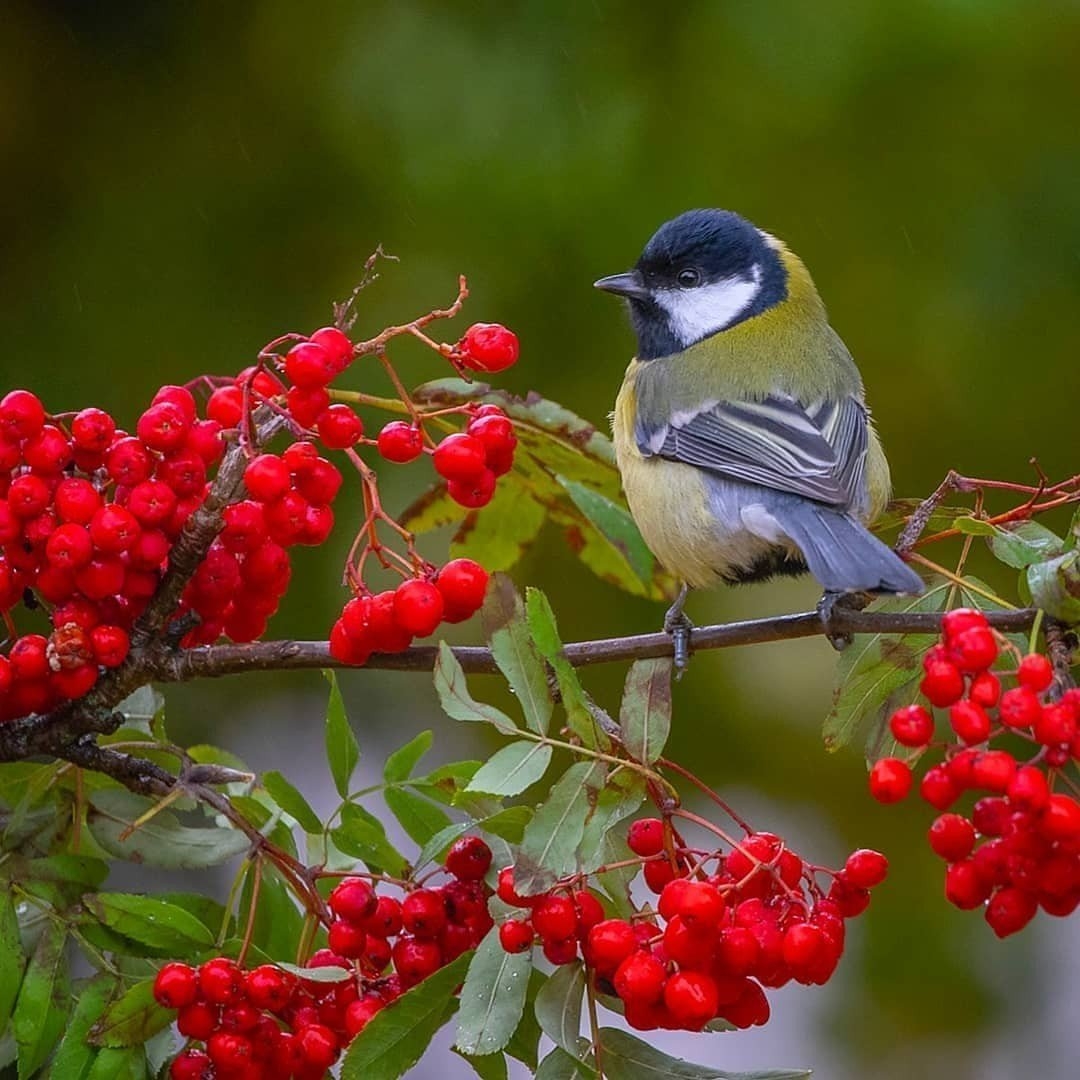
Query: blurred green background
point(183, 181)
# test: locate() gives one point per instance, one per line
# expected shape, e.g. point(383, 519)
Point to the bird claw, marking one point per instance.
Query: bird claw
point(679, 626)
point(826, 610)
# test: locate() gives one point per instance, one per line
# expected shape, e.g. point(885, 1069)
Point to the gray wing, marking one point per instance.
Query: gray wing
point(817, 450)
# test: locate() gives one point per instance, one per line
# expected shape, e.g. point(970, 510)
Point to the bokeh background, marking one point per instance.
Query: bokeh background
point(182, 181)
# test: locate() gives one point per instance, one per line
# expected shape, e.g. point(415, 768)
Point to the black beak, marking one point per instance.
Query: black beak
point(629, 285)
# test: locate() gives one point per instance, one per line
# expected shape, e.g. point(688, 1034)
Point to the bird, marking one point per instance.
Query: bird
point(741, 429)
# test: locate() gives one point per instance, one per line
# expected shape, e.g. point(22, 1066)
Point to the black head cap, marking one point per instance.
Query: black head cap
point(701, 273)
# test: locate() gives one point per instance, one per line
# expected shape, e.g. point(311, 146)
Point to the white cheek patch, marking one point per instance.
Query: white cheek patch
point(697, 313)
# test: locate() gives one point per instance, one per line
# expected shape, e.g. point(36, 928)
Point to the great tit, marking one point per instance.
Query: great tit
point(741, 429)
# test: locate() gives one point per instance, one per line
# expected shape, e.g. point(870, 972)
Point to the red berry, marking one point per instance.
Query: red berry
point(473, 493)
point(318, 480)
point(462, 584)
point(640, 978)
point(646, 837)
point(319, 1046)
point(92, 430)
point(969, 721)
point(1060, 819)
point(361, 1012)
point(692, 999)
point(220, 981)
point(589, 911)
point(1029, 788)
point(803, 944)
point(952, 837)
point(890, 780)
point(400, 442)
point(468, 859)
point(508, 894)
point(1019, 707)
point(560, 952)
point(423, 913)
point(418, 607)
point(963, 887)
point(76, 500)
point(69, 547)
point(555, 918)
point(912, 726)
point(1055, 724)
point(488, 347)
point(1035, 672)
point(993, 770)
point(352, 899)
point(175, 986)
point(163, 426)
point(865, 868)
point(226, 406)
point(658, 873)
point(1010, 909)
point(974, 649)
point(516, 936)
point(339, 427)
point(110, 644)
point(698, 903)
point(347, 939)
point(309, 364)
point(415, 960)
point(942, 685)
point(385, 920)
point(737, 951)
point(267, 477)
point(608, 944)
point(21, 415)
point(336, 343)
point(268, 987)
point(198, 1021)
point(190, 1065)
point(956, 622)
point(985, 689)
point(460, 457)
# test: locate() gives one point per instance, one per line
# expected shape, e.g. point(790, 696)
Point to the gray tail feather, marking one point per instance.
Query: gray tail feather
point(842, 555)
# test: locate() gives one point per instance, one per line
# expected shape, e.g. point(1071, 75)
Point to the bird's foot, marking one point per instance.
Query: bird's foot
point(826, 610)
point(679, 626)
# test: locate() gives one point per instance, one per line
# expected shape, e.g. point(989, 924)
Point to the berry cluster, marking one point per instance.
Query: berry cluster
point(1017, 848)
point(89, 513)
point(717, 938)
point(268, 1024)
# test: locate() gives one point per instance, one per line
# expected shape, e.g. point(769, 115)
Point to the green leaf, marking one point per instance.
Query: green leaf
point(502, 532)
point(114, 1064)
point(446, 782)
point(396, 1038)
point(615, 525)
point(363, 836)
point(456, 700)
point(278, 923)
point(645, 715)
point(291, 801)
point(626, 1057)
point(486, 1066)
point(972, 526)
point(161, 840)
point(328, 974)
point(149, 921)
point(141, 707)
point(11, 957)
point(1055, 586)
point(550, 844)
point(400, 764)
point(512, 769)
point(508, 824)
point(419, 817)
point(545, 633)
point(558, 1006)
point(515, 653)
point(616, 883)
point(437, 845)
point(44, 1001)
point(75, 1055)
point(342, 749)
point(493, 997)
point(1025, 543)
point(132, 1019)
point(618, 800)
point(559, 1065)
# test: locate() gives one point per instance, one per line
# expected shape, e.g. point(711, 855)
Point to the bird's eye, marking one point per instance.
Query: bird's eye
point(688, 277)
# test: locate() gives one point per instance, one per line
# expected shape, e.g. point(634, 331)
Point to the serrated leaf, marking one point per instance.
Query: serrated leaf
point(11, 957)
point(508, 824)
point(131, 1019)
point(149, 921)
point(615, 802)
point(363, 837)
point(1055, 587)
point(419, 817)
point(447, 781)
point(457, 702)
point(400, 764)
point(161, 840)
point(486, 1066)
point(44, 1001)
point(524, 1044)
point(627, 1057)
point(558, 1006)
point(545, 633)
point(645, 715)
point(493, 997)
point(328, 974)
point(614, 852)
point(559, 1065)
point(1025, 543)
point(78, 871)
point(497, 536)
point(291, 801)
point(396, 1038)
point(550, 844)
point(342, 749)
point(515, 653)
point(278, 922)
point(75, 1055)
point(512, 769)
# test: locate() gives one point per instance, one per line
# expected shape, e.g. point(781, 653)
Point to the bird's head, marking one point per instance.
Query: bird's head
point(701, 273)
